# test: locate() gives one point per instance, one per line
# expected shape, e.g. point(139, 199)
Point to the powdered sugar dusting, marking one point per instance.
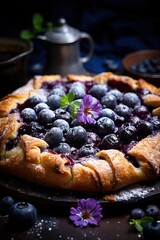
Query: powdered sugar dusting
point(134, 192)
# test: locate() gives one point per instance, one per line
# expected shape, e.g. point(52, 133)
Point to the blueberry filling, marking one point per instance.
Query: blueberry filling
point(123, 121)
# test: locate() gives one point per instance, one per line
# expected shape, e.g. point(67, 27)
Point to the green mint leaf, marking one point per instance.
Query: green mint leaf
point(70, 96)
point(138, 224)
point(37, 22)
point(26, 34)
point(66, 100)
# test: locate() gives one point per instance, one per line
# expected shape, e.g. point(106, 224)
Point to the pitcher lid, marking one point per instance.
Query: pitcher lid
point(62, 33)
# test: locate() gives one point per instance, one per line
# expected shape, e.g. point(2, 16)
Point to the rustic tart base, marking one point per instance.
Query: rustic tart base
point(95, 150)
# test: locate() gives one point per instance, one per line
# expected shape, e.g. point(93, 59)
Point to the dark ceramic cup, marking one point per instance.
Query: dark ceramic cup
point(13, 63)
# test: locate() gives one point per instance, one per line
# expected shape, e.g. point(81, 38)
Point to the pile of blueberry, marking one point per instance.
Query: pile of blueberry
point(22, 215)
point(123, 121)
point(148, 219)
point(147, 66)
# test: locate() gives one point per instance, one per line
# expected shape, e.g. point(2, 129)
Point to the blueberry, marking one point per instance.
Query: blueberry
point(35, 129)
point(54, 136)
point(22, 215)
point(92, 138)
point(77, 84)
point(137, 213)
point(127, 132)
point(28, 115)
point(111, 141)
point(145, 128)
point(35, 99)
point(123, 110)
point(5, 204)
point(109, 101)
point(98, 90)
point(106, 112)
point(155, 123)
point(130, 99)
point(117, 94)
point(63, 148)
point(61, 123)
point(62, 114)
point(151, 231)
point(53, 101)
point(57, 91)
point(104, 126)
point(153, 211)
point(86, 150)
point(46, 116)
point(141, 111)
point(40, 106)
point(76, 136)
point(79, 92)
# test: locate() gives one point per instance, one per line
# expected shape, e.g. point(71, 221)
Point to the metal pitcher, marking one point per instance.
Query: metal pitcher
point(63, 54)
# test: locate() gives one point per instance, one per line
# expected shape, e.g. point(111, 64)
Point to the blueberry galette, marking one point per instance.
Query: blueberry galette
point(82, 133)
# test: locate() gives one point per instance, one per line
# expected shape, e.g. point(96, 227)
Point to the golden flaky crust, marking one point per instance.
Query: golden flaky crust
point(107, 171)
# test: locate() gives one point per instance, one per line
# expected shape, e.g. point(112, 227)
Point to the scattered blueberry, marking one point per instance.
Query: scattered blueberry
point(5, 204)
point(137, 213)
point(22, 215)
point(151, 231)
point(153, 211)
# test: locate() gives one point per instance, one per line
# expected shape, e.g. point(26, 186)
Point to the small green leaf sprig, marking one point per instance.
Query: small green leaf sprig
point(138, 224)
point(38, 26)
point(67, 100)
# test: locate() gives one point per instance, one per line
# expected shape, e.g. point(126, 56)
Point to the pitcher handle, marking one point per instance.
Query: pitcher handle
point(91, 46)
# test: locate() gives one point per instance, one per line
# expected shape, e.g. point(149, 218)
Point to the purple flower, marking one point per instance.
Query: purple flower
point(88, 211)
point(89, 110)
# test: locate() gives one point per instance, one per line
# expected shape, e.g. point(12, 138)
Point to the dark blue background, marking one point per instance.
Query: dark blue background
point(118, 27)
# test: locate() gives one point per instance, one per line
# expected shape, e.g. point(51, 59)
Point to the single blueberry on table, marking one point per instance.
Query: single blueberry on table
point(137, 213)
point(5, 204)
point(151, 231)
point(153, 210)
point(22, 215)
